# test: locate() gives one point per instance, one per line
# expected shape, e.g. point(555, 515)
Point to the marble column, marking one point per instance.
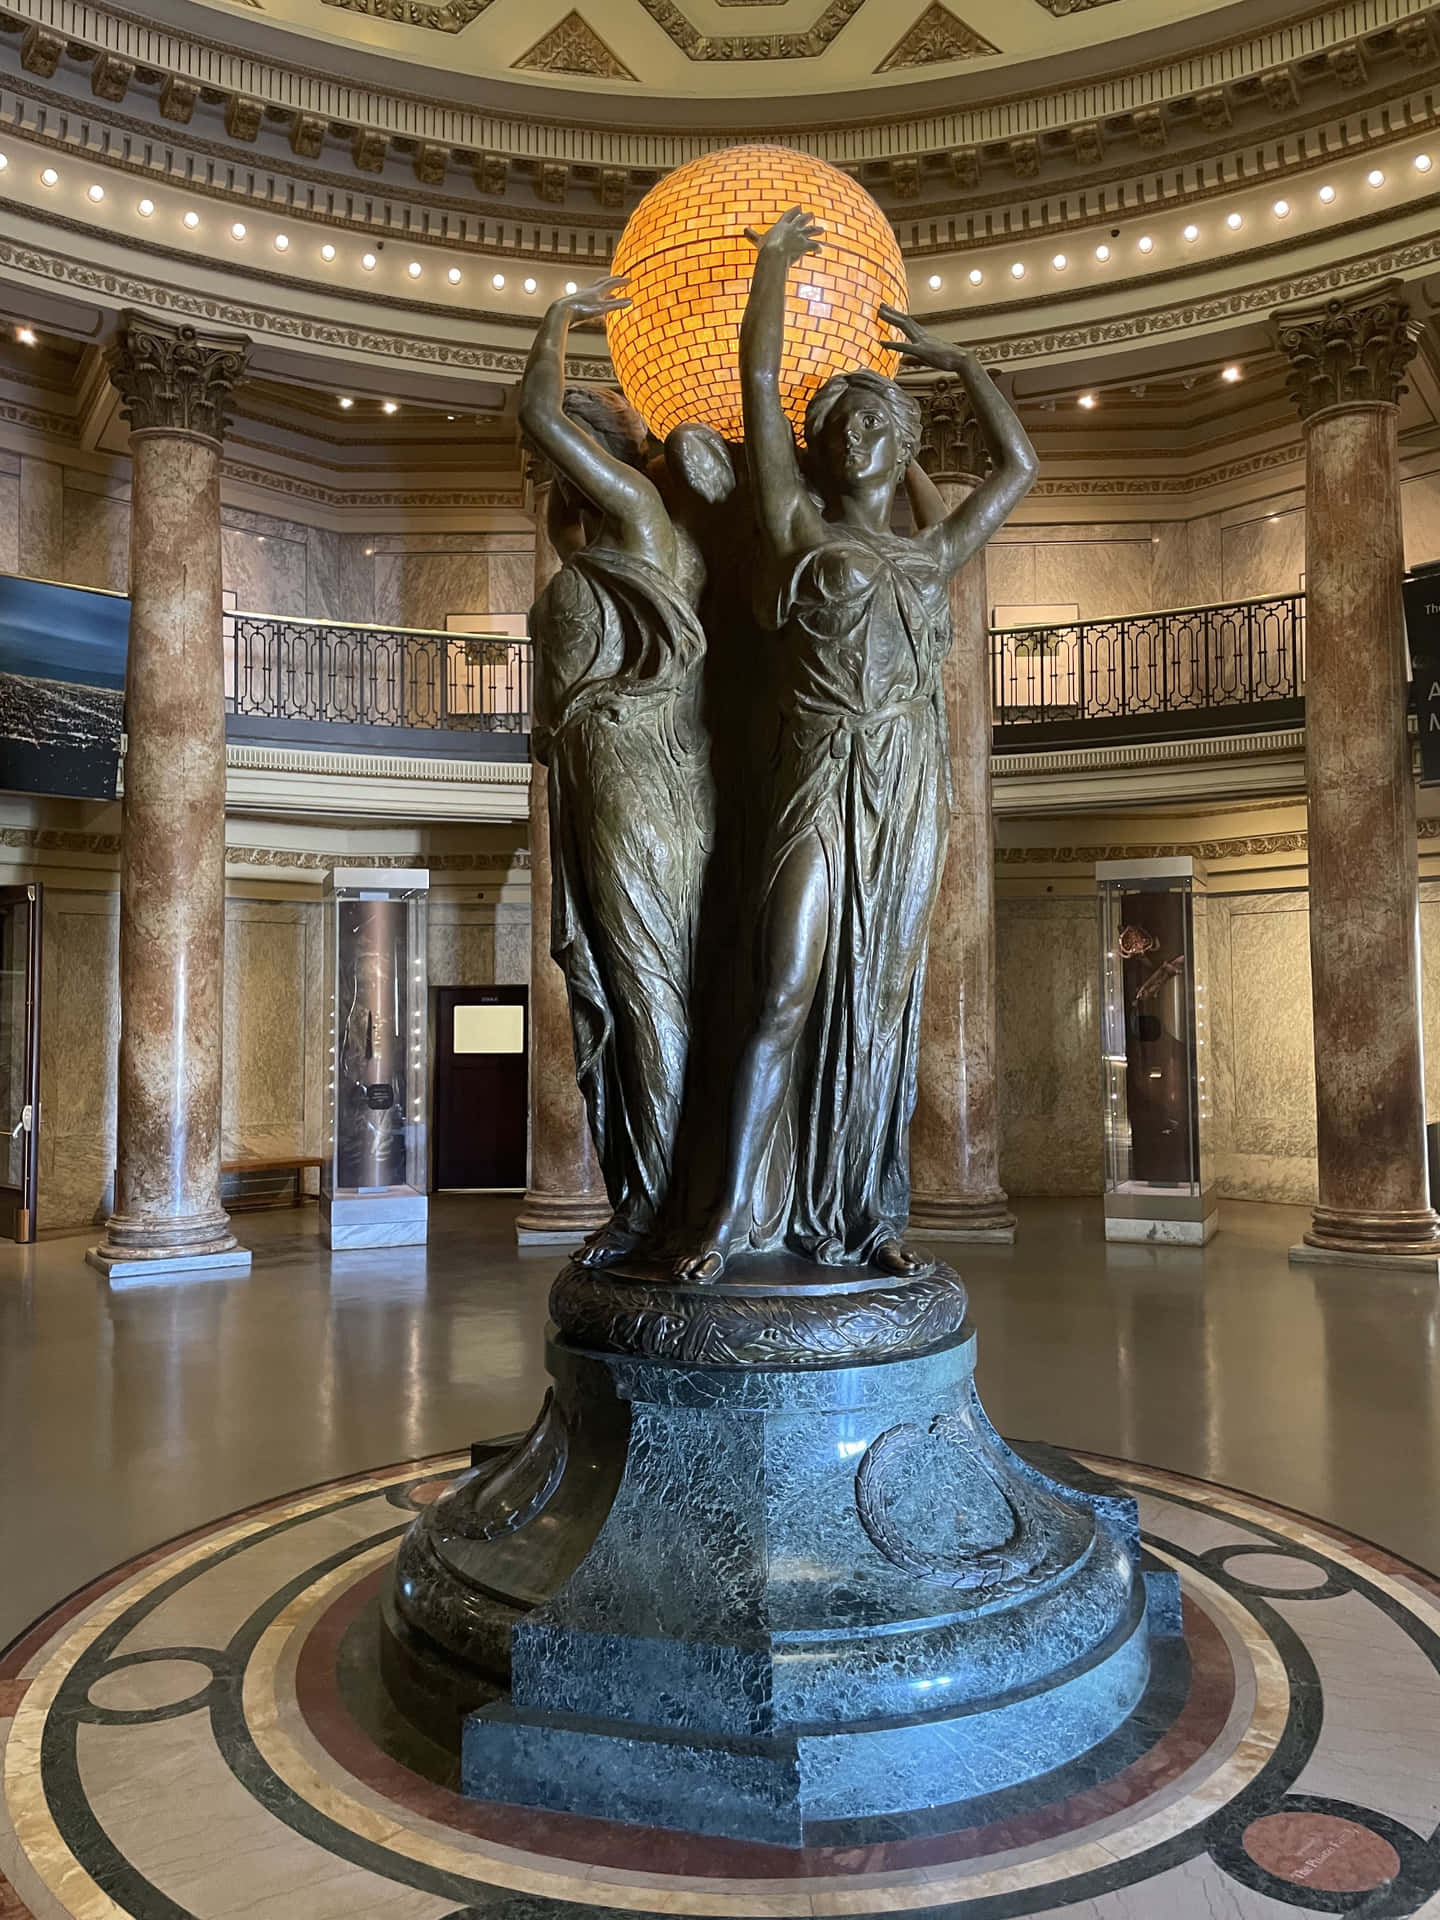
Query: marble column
point(566, 1197)
point(1346, 363)
point(175, 386)
point(955, 1136)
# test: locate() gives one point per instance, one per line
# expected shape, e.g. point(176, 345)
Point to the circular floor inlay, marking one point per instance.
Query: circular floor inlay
point(226, 1686)
point(1317, 1850)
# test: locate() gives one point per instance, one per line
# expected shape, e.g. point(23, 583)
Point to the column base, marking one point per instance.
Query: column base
point(1306, 1255)
point(951, 1216)
point(118, 1264)
point(1378, 1236)
point(559, 1219)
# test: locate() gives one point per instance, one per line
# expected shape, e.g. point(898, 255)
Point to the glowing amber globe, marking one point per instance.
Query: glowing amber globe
point(675, 348)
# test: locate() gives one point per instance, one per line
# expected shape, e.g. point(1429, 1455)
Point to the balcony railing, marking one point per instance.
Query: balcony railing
point(1154, 673)
point(1144, 675)
point(317, 670)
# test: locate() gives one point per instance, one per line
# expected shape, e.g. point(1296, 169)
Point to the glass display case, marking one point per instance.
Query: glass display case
point(375, 1177)
point(1154, 1041)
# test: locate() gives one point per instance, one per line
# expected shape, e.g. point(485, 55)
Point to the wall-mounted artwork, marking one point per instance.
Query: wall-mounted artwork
point(62, 688)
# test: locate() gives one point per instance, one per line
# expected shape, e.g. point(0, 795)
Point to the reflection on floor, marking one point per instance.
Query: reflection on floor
point(1290, 1762)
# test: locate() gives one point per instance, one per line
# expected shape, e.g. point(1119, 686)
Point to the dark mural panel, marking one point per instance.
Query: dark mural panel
point(62, 688)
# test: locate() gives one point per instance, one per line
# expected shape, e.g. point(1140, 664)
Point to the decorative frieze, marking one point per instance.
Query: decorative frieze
point(1351, 351)
point(176, 379)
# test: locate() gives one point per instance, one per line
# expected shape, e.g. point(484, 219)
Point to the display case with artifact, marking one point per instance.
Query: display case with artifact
point(1154, 1043)
point(373, 1186)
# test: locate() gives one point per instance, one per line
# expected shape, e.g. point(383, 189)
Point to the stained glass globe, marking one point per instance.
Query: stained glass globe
point(675, 348)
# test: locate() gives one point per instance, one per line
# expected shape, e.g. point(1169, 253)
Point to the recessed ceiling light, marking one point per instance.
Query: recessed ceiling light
point(48, 177)
point(5, 161)
point(327, 252)
point(1060, 263)
point(976, 276)
point(1146, 244)
point(1281, 209)
point(530, 286)
point(145, 208)
point(497, 280)
point(345, 400)
point(95, 192)
point(571, 287)
point(1234, 221)
point(367, 261)
point(1423, 162)
point(453, 276)
point(1327, 194)
point(1087, 400)
point(1192, 232)
point(1375, 177)
point(282, 242)
point(1231, 375)
point(237, 230)
point(452, 416)
point(414, 269)
point(389, 406)
point(1017, 272)
point(1102, 253)
point(191, 219)
point(368, 552)
point(934, 283)
point(26, 336)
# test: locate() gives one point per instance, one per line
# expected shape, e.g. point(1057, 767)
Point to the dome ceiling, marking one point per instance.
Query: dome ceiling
point(623, 58)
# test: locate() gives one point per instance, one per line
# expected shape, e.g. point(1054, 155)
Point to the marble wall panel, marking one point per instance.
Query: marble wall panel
point(1207, 561)
point(42, 519)
point(1048, 1046)
point(97, 540)
point(1170, 565)
point(1264, 556)
point(265, 572)
point(80, 1038)
point(512, 582)
point(324, 599)
point(357, 579)
point(421, 589)
point(273, 1024)
point(1271, 1133)
point(1105, 577)
point(9, 522)
point(1010, 574)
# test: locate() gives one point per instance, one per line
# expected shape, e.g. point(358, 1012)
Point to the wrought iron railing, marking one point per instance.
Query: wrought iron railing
point(293, 669)
point(1132, 673)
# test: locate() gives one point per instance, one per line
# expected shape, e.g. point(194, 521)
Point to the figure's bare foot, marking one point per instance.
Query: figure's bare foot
point(607, 1245)
point(892, 1256)
point(708, 1261)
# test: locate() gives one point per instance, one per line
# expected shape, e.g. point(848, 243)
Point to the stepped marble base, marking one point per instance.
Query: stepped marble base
point(1304, 1255)
point(128, 1266)
point(741, 1596)
point(397, 1218)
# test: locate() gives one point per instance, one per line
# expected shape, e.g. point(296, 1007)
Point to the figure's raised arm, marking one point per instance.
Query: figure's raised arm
point(961, 534)
point(617, 489)
point(788, 518)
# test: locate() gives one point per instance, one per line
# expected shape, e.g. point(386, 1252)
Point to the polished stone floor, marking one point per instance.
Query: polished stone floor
point(200, 1735)
point(131, 1414)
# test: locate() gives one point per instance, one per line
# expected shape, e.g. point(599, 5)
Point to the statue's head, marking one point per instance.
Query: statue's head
point(861, 427)
point(610, 419)
point(700, 458)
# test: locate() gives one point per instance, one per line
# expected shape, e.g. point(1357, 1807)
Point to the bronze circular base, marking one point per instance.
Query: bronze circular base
point(769, 1311)
point(1340, 1231)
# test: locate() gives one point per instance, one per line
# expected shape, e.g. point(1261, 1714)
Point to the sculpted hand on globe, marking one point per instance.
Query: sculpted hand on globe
point(921, 346)
point(591, 303)
point(793, 235)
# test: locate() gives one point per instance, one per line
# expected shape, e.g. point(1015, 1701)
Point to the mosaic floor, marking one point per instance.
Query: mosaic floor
point(197, 1736)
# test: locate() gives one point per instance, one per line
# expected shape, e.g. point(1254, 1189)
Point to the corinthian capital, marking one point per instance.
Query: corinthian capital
point(952, 446)
point(175, 380)
point(1349, 352)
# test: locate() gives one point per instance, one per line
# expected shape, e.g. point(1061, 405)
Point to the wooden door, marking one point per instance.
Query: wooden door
point(481, 1104)
point(20, 923)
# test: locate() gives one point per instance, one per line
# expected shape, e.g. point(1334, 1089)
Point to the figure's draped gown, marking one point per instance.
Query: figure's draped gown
point(863, 767)
point(618, 659)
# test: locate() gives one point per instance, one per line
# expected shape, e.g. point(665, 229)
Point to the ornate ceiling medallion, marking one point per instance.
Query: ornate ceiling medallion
point(937, 35)
point(573, 46)
point(449, 17)
point(1061, 7)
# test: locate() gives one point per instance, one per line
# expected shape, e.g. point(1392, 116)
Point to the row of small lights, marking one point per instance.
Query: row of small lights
point(1230, 375)
point(1146, 244)
point(190, 220)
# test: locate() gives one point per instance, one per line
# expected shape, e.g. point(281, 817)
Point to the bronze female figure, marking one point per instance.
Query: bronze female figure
point(817, 1156)
point(618, 658)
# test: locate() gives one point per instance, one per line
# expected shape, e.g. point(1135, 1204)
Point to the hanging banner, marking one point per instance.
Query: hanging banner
point(1422, 631)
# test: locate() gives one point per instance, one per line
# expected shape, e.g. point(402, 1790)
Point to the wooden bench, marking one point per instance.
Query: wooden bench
point(295, 1163)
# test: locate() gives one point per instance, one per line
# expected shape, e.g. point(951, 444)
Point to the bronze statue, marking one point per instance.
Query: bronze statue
point(618, 659)
point(817, 1153)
